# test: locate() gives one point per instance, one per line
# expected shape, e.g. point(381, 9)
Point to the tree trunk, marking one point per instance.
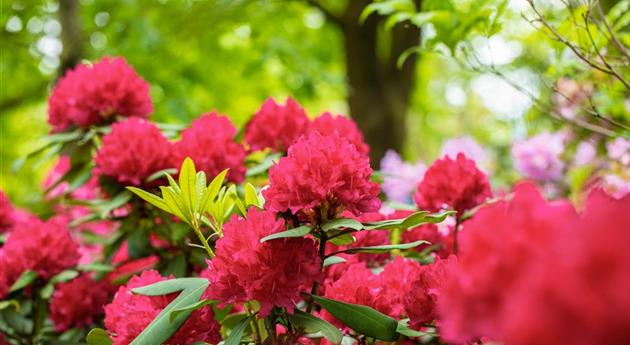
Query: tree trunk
point(70, 35)
point(379, 93)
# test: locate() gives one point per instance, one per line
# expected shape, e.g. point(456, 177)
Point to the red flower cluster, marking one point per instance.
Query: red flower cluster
point(44, 247)
point(91, 95)
point(209, 142)
point(383, 292)
point(422, 295)
point(344, 126)
point(129, 314)
point(276, 126)
point(455, 184)
point(530, 271)
point(322, 172)
point(272, 273)
point(7, 213)
point(133, 151)
point(78, 303)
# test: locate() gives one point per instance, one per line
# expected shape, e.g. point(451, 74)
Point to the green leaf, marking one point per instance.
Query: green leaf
point(383, 248)
point(263, 166)
point(212, 191)
point(10, 303)
point(98, 336)
point(332, 260)
point(295, 232)
point(187, 184)
point(313, 324)
point(403, 328)
point(162, 328)
point(342, 223)
point(25, 279)
point(362, 319)
point(118, 201)
point(342, 240)
point(160, 174)
point(200, 187)
point(62, 277)
point(151, 199)
point(166, 287)
point(251, 197)
point(411, 221)
point(191, 307)
point(95, 267)
point(237, 333)
point(175, 204)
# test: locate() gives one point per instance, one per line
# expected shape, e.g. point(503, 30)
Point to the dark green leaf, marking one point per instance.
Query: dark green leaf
point(237, 333)
point(98, 336)
point(295, 232)
point(313, 324)
point(383, 248)
point(26, 279)
point(342, 223)
point(343, 239)
point(362, 319)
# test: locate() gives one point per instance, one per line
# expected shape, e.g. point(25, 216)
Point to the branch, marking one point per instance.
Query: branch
point(613, 37)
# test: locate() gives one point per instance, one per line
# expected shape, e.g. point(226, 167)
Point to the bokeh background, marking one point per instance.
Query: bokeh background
point(230, 55)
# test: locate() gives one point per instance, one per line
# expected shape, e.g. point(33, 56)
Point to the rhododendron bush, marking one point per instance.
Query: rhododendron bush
point(282, 233)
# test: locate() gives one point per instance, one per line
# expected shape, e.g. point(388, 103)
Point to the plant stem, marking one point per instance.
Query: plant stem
point(322, 255)
point(257, 336)
point(202, 238)
point(272, 327)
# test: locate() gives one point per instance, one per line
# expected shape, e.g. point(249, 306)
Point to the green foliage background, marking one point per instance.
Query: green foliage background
point(229, 55)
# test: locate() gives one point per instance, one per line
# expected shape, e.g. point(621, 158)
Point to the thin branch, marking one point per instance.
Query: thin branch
point(599, 53)
point(613, 37)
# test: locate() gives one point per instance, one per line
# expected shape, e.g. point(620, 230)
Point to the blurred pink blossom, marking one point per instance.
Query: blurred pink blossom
point(585, 153)
point(538, 157)
point(400, 178)
point(469, 147)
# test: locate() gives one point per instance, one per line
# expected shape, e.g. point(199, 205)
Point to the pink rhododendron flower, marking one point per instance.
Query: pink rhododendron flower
point(538, 157)
point(569, 95)
point(44, 247)
point(78, 303)
point(133, 151)
point(322, 172)
point(327, 124)
point(399, 177)
point(274, 273)
point(531, 271)
point(469, 147)
point(209, 142)
point(455, 184)
point(421, 296)
point(396, 277)
point(276, 126)
point(94, 94)
point(129, 314)
point(7, 213)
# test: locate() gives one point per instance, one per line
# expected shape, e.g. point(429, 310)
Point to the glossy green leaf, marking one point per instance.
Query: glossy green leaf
point(362, 319)
point(25, 279)
point(187, 184)
point(10, 303)
point(151, 199)
point(98, 336)
point(191, 307)
point(295, 232)
point(162, 327)
point(175, 204)
point(383, 248)
point(342, 223)
point(237, 333)
point(313, 324)
point(332, 260)
point(251, 197)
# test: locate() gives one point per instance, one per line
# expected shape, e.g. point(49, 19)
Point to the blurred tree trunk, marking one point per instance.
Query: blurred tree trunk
point(379, 93)
point(71, 37)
